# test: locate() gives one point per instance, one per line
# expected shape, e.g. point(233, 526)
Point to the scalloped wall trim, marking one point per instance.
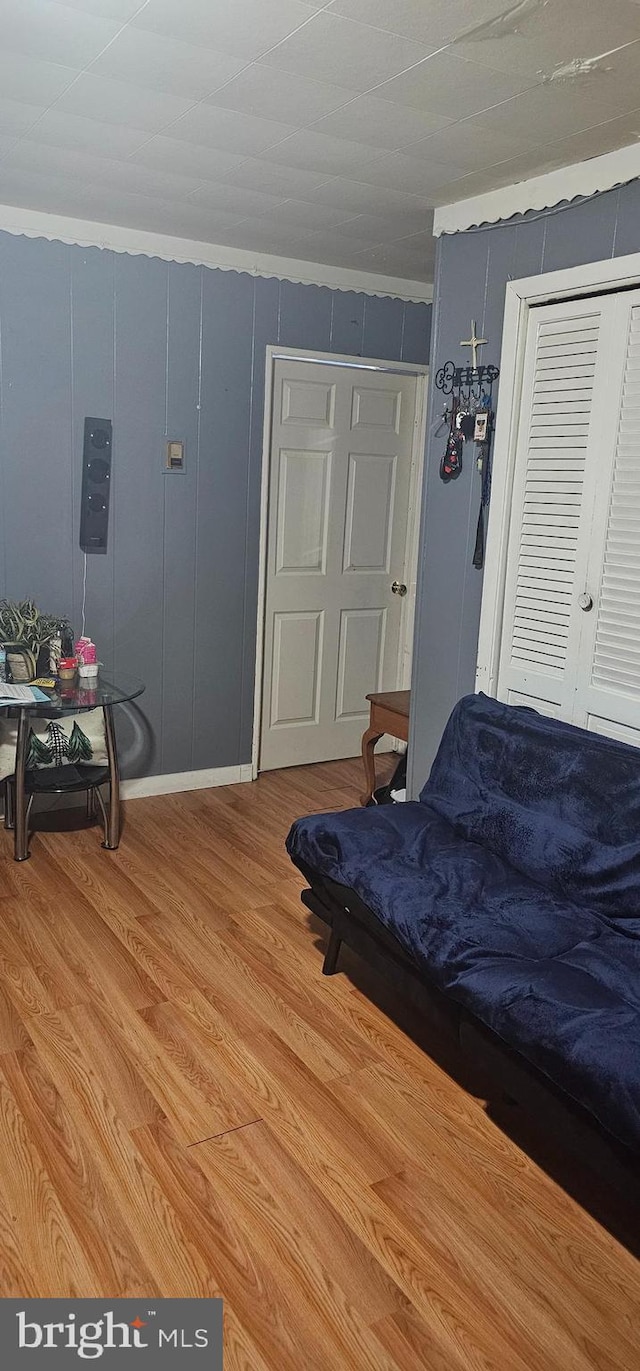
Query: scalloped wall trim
point(32, 223)
point(541, 192)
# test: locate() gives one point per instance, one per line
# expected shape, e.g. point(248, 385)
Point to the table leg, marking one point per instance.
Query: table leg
point(369, 740)
point(21, 815)
point(112, 831)
point(9, 807)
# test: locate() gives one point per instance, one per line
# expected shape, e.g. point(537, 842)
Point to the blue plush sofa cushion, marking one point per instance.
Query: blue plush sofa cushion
point(452, 904)
point(555, 974)
point(559, 804)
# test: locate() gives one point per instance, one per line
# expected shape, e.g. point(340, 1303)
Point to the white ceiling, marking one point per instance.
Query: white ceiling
point(321, 131)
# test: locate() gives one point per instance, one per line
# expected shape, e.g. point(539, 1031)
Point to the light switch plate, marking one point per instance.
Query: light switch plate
point(175, 455)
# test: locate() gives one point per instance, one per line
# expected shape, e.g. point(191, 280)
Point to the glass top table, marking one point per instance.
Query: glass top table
point(73, 697)
point(68, 698)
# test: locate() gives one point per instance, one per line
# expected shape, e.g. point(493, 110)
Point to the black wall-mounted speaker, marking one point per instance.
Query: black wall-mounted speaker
point(96, 483)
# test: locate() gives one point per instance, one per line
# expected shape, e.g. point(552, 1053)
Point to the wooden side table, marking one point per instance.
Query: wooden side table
point(389, 714)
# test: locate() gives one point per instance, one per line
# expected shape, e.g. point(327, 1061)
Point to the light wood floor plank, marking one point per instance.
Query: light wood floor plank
point(98, 1226)
point(187, 1106)
point(233, 982)
point(29, 1200)
point(325, 1145)
point(274, 1192)
point(167, 1250)
point(270, 1226)
point(279, 1322)
point(13, 1032)
point(505, 1274)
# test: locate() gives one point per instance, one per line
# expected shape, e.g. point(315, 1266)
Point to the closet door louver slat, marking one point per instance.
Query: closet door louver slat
point(553, 453)
point(616, 657)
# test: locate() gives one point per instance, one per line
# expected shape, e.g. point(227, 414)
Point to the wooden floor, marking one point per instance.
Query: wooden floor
point(189, 1108)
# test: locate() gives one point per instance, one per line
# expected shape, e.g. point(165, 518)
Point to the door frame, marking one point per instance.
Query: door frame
point(593, 278)
point(276, 353)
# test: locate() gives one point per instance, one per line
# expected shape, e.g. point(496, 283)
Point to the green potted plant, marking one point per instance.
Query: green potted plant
point(23, 626)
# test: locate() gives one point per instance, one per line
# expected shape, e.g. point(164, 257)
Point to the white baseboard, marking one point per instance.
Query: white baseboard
point(168, 784)
point(172, 782)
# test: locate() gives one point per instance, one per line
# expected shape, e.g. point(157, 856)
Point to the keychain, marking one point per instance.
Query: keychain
point(451, 464)
point(465, 423)
point(480, 426)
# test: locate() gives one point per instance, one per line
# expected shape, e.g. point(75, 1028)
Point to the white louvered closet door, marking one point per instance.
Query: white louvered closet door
point(607, 698)
point(563, 409)
point(571, 627)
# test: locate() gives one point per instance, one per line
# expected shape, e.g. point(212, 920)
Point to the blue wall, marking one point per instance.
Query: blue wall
point(165, 350)
point(471, 273)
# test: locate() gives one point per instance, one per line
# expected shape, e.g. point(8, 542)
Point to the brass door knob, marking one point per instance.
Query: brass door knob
point(398, 588)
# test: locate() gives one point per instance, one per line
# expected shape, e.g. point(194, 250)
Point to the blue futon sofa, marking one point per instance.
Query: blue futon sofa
point(513, 887)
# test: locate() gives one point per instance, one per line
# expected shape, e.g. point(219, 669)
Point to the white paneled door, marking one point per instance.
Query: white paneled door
point(340, 473)
point(571, 627)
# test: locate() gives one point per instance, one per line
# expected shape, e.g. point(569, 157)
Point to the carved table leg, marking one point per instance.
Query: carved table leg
point(369, 740)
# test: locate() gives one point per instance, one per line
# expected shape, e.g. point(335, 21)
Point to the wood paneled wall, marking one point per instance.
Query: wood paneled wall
point(165, 350)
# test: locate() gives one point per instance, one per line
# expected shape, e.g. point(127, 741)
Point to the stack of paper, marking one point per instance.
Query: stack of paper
point(20, 695)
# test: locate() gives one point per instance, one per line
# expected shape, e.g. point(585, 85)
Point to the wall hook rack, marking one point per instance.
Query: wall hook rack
point(470, 415)
point(451, 379)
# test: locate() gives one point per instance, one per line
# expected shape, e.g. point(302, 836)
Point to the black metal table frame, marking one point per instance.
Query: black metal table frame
point(18, 806)
point(19, 794)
